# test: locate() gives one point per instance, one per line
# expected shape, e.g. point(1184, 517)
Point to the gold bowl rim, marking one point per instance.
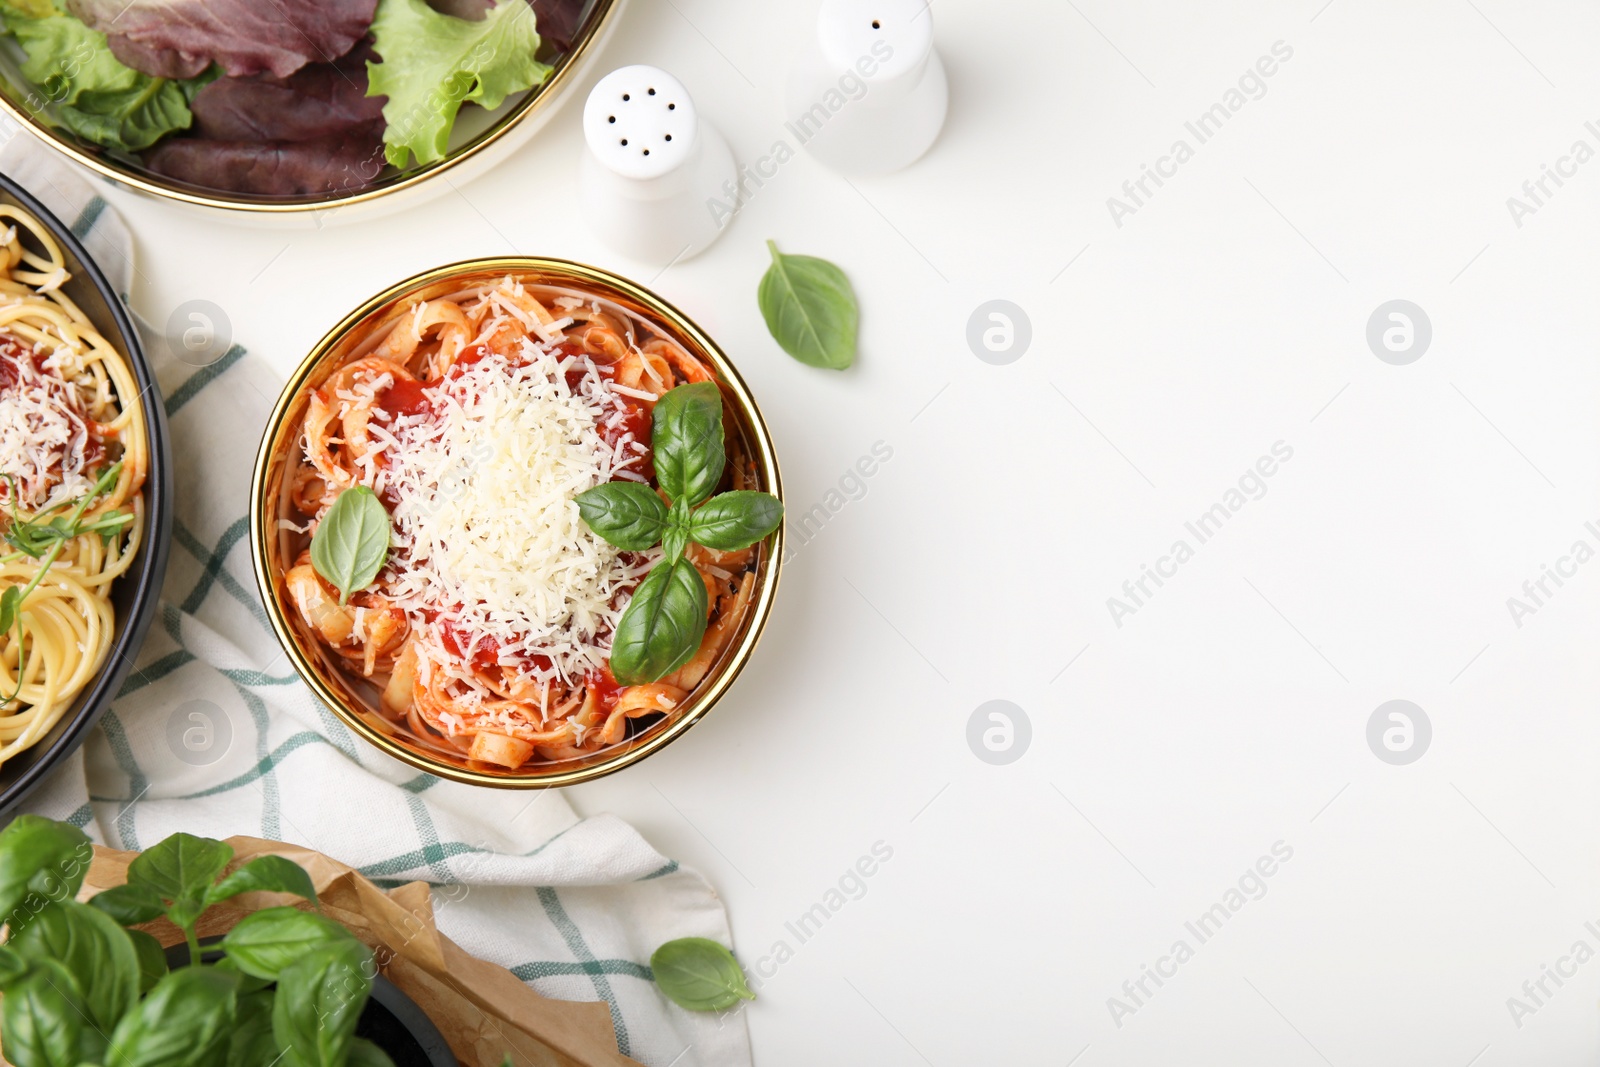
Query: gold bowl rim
point(263, 525)
point(153, 184)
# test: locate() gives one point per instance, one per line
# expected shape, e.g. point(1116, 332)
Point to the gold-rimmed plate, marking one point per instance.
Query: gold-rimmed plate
point(478, 142)
point(274, 547)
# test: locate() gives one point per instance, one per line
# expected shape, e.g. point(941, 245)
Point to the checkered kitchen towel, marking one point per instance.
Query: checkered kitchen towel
point(572, 906)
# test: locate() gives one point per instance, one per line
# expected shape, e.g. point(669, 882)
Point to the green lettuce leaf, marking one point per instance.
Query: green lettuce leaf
point(67, 58)
point(87, 90)
point(34, 9)
point(431, 64)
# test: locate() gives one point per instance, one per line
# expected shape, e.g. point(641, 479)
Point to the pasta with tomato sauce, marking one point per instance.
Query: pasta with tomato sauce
point(73, 461)
point(476, 420)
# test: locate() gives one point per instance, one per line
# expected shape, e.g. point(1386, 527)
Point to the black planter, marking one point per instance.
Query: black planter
point(391, 1020)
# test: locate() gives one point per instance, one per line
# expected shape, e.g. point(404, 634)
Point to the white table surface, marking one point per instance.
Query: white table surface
point(1230, 711)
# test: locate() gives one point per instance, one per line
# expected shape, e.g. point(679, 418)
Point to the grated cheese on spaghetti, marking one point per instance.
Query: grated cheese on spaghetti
point(44, 441)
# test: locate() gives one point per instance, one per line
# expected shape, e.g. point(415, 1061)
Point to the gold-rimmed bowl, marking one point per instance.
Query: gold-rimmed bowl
point(274, 548)
point(478, 142)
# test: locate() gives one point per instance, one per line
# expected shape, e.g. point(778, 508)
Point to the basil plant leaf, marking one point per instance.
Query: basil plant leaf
point(180, 870)
point(627, 514)
point(319, 1000)
point(185, 1020)
point(699, 974)
point(686, 439)
point(40, 860)
point(661, 629)
point(810, 309)
point(267, 941)
point(352, 541)
point(272, 874)
point(94, 950)
point(248, 983)
point(12, 967)
point(251, 1044)
point(152, 959)
point(43, 1021)
point(129, 904)
point(364, 1053)
point(731, 521)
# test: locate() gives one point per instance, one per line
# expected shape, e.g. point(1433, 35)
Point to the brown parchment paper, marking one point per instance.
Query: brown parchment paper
point(482, 1009)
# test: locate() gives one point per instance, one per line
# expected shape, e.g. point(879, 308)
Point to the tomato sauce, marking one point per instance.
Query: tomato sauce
point(405, 397)
point(603, 686)
point(486, 653)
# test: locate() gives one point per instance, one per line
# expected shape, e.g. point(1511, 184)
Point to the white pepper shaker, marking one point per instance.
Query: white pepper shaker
point(869, 95)
point(654, 172)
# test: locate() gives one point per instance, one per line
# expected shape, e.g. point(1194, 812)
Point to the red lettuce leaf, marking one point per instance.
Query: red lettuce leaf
point(342, 164)
point(181, 38)
point(319, 100)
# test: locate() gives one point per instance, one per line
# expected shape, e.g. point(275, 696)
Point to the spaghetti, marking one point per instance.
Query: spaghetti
point(73, 460)
point(477, 419)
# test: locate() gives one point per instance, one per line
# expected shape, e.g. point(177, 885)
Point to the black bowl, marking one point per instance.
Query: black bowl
point(134, 596)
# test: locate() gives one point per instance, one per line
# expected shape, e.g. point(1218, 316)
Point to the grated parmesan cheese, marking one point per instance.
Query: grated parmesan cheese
point(44, 441)
point(488, 539)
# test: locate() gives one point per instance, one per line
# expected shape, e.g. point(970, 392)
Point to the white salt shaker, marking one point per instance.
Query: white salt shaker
point(655, 171)
point(869, 94)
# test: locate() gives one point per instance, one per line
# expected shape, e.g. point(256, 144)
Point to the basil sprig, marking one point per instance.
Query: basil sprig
point(663, 625)
point(810, 309)
point(352, 541)
point(79, 988)
point(699, 974)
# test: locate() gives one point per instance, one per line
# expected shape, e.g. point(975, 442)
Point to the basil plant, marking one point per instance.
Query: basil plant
point(82, 989)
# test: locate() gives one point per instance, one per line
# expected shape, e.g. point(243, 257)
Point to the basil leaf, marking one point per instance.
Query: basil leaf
point(677, 536)
point(318, 1002)
point(180, 870)
point(93, 949)
point(12, 967)
point(10, 602)
point(810, 310)
point(251, 1043)
point(42, 1021)
point(265, 874)
point(182, 1023)
point(731, 521)
point(152, 959)
point(40, 860)
point(267, 941)
point(364, 1053)
point(129, 904)
point(248, 983)
point(673, 544)
point(699, 974)
point(352, 541)
point(627, 514)
point(661, 629)
point(686, 439)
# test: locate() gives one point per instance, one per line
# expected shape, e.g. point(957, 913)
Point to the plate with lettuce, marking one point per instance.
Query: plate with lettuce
point(292, 101)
